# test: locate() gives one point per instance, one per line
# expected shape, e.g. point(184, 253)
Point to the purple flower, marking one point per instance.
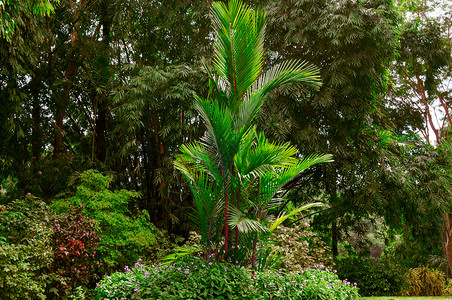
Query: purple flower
point(210, 264)
point(203, 266)
point(179, 269)
point(135, 290)
point(187, 271)
point(225, 268)
point(172, 282)
point(126, 268)
point(146, 274)
point(321, 267)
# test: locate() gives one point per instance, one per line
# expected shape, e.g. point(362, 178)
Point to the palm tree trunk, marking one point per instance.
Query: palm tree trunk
point(226, 225)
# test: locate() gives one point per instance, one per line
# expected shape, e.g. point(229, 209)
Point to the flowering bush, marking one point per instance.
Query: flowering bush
point(315, 283)
point(200, 279)
point(186, 279)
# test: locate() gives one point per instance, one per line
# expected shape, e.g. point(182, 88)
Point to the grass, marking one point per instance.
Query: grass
point(403, 298)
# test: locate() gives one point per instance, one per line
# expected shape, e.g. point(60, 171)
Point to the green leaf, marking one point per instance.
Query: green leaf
point(294, 212)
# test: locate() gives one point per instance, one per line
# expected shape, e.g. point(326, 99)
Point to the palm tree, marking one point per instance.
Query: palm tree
point(234, 172)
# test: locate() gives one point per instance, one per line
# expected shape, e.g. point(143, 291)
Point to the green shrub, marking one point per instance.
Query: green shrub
point(425, 282)
point(192, 278)
point(26, 254)
point(374, 277)
point(126, 232)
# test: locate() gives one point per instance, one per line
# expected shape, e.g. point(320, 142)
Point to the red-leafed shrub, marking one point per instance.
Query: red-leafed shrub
point(76, 242)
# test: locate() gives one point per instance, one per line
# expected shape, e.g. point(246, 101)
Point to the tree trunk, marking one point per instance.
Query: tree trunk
point(71, 70)
point(36, 135)
point(448, 243)
point(331, 188)
point(101, 121)
point(146, 170)
point(101, 126)
point(334, 238)
point(161, 188)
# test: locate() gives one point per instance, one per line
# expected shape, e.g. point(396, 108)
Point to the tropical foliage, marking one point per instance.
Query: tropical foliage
point(235, 172)
point(109, 85)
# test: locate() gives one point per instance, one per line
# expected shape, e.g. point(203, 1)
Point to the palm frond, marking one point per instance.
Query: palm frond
point(268, 259)
point(294, 212)
point(180, 252)
point(238, 46)
point(248, 110)
point(218, 121)
point(101, 73)
point(288, 72)
point(196, 157)
point(244, 224)
point(208, 207)
point(219, 83)
point(265, 157)
point(271, 183)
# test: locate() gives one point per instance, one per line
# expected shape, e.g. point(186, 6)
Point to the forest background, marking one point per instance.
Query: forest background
point(109, 84)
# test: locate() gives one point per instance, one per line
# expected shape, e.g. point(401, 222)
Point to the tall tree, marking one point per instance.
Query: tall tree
point(353, 43)
point(422, 77)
